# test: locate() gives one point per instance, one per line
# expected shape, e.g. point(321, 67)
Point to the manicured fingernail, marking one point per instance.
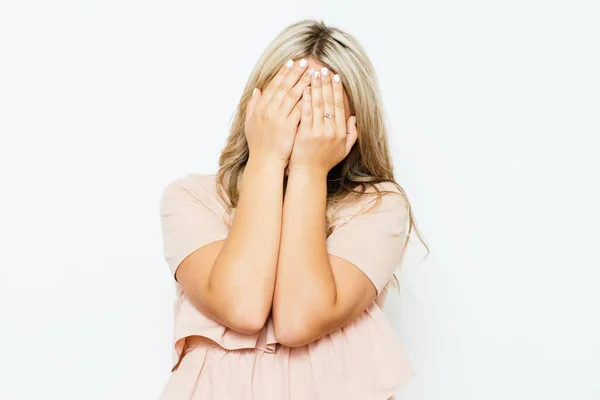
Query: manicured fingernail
point(289, 63)
point(354, 120)
point(254, 92)
point(324, 71)
point(317, 75)
point(303, 63)
point(336, 78)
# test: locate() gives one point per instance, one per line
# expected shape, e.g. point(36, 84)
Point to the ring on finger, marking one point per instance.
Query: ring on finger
point(328, 115)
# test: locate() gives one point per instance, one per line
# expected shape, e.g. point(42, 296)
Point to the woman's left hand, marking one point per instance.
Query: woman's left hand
point(323, 142)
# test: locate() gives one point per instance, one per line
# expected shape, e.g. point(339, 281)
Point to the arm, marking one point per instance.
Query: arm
point(322, 284)
point(315, 293)
point(232, 280)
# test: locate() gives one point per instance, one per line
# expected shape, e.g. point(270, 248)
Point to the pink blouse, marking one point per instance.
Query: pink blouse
point(362, 360)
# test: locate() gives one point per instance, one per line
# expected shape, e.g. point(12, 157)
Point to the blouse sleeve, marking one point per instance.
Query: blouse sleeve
point(190, 219)
point(372, 241)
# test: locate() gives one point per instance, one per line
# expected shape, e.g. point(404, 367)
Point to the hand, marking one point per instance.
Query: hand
point(322, 142)
point(272, 117)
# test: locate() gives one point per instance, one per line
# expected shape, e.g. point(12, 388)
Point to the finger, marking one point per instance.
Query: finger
point(296, 112)
point(307, 109)
point(352, 134)
point(294, 95)
point(284, 89)
point(338, 99)
point(277, 80)
point(252, 103)
point(317, 100)
point(328, 104)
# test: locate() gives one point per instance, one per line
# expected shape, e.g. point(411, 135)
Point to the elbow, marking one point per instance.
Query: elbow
point(247, 317)
point(247, 327)
point(294, 332)
point(246, 313)
point(243, 314)
point(246, 321)
point(298, 324)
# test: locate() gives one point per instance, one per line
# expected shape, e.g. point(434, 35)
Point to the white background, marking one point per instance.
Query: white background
point(494, 114)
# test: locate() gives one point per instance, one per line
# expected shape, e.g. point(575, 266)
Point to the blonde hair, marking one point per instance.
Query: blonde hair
point(368, 163)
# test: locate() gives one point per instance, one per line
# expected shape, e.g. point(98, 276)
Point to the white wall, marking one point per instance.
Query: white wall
point(494, 109)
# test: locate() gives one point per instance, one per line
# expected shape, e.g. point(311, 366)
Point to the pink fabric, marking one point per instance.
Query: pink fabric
point(362, 360)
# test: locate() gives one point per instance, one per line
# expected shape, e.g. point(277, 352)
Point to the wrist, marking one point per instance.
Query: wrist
point(312, 171)
point(270, 163)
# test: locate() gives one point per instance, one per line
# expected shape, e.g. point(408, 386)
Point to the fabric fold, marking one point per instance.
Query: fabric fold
point(363, 360)
point(189, 321)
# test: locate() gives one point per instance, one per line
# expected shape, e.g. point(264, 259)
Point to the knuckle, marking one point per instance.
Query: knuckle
point(292, 95)
point(329, 103)
point(282, 87)
point(305, 138)
point(318, 103)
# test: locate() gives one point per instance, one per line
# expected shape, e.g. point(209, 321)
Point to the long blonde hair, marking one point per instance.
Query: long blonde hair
point(368, 163)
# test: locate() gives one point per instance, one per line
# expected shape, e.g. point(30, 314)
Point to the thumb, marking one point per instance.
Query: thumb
point(351, 133)
point(252, 103)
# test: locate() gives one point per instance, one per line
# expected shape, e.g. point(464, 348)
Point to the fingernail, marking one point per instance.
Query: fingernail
point(336, 78)
point(354, 120)
point(289, 63)
point(317, 75)
point(310, 71)
point(254, 92)
point(303, 62)
point(324, 71)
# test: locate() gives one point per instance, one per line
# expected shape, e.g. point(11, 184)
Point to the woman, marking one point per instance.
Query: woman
point(282, 260)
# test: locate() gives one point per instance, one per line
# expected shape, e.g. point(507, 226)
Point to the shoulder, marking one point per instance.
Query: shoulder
point(199, 183)
point(195, 187)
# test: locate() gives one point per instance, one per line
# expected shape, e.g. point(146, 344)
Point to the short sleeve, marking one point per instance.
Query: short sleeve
point(191, 217)
point(373, 241)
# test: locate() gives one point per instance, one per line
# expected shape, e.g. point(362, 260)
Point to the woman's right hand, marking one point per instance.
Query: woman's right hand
point(272, 116)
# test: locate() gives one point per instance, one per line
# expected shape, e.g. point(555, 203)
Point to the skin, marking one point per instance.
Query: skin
point(315, 65)
point(275, 257)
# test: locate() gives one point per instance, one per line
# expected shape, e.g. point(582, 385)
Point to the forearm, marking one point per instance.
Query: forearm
point(305, 283)
point(242, 278)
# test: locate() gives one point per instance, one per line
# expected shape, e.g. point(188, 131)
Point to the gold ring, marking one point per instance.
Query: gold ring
point(327, 115)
